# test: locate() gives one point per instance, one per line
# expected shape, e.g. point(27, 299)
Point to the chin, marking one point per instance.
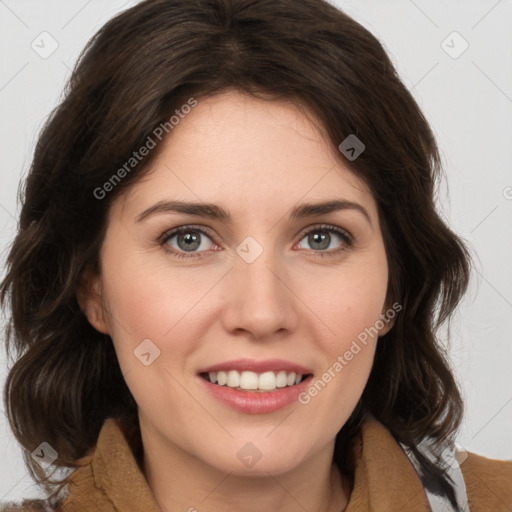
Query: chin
point(244, 458)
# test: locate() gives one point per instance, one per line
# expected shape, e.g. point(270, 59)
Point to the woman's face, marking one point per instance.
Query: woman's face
point(272, 287)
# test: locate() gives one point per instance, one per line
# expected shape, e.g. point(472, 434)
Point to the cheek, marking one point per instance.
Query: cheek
point(334, 393)
point(349, 301)
point(154, 333)
point(167, 306)
point(349, 304)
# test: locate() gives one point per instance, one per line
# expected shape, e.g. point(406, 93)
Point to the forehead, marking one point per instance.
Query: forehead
point(251, 153)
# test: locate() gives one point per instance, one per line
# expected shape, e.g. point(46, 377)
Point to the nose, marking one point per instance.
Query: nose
point(259, 299)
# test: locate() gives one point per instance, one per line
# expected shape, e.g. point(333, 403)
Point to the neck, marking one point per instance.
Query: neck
point(181, 482)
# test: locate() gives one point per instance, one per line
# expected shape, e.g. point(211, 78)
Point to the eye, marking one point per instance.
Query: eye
point(186, 239)
point(191, 241)
point(321, 237)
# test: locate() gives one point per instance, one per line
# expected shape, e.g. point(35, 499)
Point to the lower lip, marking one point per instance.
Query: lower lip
point(257, 402)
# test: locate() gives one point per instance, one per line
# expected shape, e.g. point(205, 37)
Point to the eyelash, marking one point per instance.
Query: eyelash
point(343, 234)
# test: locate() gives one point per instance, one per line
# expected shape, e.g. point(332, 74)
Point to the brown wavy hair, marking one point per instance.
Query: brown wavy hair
point(133, 74)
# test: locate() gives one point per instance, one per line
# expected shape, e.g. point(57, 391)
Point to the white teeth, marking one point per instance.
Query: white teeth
point(290, 379)
point(249, 380)
point(281, 379)
point(233, 379)
point(267, 381)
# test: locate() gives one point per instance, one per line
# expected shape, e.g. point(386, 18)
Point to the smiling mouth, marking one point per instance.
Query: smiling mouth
point(252, 381)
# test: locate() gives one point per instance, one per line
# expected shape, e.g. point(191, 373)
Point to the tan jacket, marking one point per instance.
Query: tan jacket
point(109, 479)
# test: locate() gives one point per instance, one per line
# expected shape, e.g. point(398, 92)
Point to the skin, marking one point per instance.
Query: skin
point(257, 159)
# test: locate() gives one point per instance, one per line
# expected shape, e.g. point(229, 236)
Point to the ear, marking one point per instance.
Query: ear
point(387, 326)
point(387, 318)
point(90, 298)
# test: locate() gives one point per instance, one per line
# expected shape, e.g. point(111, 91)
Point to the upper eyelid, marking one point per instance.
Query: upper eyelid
point(337, 230)
point(170, 233)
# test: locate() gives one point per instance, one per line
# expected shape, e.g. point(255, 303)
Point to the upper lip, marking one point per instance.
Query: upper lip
point(267, 365)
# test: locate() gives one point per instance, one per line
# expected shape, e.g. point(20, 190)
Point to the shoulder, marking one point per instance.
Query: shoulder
point(488, 482)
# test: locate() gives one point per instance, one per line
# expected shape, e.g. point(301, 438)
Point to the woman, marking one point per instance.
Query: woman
point(229, 273)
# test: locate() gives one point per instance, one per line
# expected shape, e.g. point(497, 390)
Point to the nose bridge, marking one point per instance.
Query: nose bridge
point(258, 269)
point(258, 300)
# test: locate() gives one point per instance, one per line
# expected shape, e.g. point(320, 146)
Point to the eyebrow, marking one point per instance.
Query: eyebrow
point(215, 212)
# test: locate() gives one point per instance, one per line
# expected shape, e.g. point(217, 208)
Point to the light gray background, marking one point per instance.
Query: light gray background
point(468, 101)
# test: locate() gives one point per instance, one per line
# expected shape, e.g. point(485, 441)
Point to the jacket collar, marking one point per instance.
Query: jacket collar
point(384, 478)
